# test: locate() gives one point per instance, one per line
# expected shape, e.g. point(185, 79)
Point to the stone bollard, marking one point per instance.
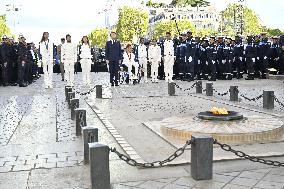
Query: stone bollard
point(268, 99)
point(171, 89)
point(99, 91)
point(67, 89)
point(80, 119)
point(234, 93)
point(99, 166)
point(74, 103)
point(198, 86)
point(209, 89)
point(71, 95)
point(202, 157)
point(90, 135)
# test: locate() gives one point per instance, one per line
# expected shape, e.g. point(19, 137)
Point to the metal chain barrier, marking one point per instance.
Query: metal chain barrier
point(154, 164)
point(91, 137)
point(221, 94)
point(252, 99)
point(85, 93)
point(188, 89)
point(82, 122)
point(278, 101)
point(241, 154)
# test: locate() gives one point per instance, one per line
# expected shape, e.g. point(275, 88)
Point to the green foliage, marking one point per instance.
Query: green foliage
point(4, 29)
point(150, 3)
point(131, 23)
point(160, 28)
point(251, 21)
point(273, 32)
point(99, 37)
point(193, 3)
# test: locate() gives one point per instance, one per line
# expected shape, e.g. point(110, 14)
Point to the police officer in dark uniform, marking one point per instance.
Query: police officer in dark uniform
point(263, 53)
point(196, 59)
point(14, 64)
point(202, 68)
point(22, 61)
point(5, 52)
point(220, 66)
point(250, 57)
point(281, 54)
point(190, 56)
point(228, 56)
point(239, 57)
point(182, 57)
point(176, 64)
point(257, 64)
point(212, 56)
point(273, 54)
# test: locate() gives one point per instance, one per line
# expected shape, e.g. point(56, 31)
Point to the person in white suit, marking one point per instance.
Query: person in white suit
point(69, 57)
point(85, 60)
point(154, 55)
point(142, 57)
point(169, 57)
point(46, 56)
point(128, 60)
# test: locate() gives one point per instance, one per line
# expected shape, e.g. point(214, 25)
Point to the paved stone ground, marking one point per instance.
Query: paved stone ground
point(39, 149)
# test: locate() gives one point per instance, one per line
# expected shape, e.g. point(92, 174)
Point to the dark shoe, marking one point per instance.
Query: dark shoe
point(22, 85)
point(112, 84)
point(62, 79)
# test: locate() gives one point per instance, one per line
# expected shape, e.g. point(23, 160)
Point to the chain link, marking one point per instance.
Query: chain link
point(188, 89)
point(278, 101)
point(220, 94)
point(241, 154)
point(84, 93)
point(82, 122)
point(91, 137)
point(252, 99)
point(154, 164)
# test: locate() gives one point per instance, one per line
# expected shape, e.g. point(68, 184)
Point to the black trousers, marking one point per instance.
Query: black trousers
point(6, 67)
point(22, 70)
point(113, 70)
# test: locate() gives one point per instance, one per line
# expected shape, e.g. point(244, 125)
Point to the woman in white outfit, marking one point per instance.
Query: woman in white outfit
point(85, 60)
point(68, 58)
point(47, 59)
point(154, 54)
point(128, 60)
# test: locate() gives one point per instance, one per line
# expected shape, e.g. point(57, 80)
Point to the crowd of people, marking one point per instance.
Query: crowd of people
point(185, 58)
point(191, 58)
point(21, 62)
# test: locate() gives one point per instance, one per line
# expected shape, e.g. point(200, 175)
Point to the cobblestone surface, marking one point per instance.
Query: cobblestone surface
point(39, 148)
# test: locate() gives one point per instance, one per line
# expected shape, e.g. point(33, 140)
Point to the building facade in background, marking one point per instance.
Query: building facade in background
point(200, 17)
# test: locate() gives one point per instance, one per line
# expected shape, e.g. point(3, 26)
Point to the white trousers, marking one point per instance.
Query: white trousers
point(133, 75)
point(86, 70)
point(168, 68)
point(48, 72)
point(143, 63)
point(69, 72)
point(154, 70)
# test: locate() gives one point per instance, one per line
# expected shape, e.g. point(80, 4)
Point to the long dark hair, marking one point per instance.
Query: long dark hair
point(82, 41)
point(42, 38)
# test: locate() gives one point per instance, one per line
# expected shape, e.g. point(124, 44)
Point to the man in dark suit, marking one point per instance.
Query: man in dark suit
point(113, 58)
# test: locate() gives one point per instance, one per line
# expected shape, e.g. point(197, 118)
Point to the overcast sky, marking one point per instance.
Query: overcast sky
point(78, 18)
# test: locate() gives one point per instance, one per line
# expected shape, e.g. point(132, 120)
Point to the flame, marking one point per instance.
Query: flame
point(219, 111)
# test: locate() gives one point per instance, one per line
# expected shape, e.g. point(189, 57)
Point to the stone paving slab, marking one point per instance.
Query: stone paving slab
point(27, 147)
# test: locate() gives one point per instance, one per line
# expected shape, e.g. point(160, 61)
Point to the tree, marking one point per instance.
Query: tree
point(132, 22)
point(150, 3)
point(273, 32)
point(99, 37)
point(4, 29)
point(251, 24)
point(193, 3)
point(160, 28)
